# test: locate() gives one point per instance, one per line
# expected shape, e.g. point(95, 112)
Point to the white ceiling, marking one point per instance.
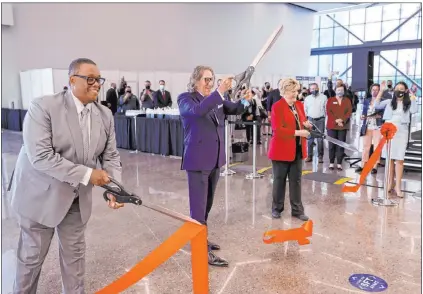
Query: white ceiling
point(330, 7)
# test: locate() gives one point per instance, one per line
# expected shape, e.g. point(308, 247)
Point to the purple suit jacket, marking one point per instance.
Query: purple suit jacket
point(203, 119)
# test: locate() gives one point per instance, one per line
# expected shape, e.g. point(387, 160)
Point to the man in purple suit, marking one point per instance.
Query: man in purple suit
point(203, 117)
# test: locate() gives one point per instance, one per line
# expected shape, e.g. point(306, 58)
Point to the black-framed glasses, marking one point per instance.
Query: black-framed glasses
point(91, 80)
point(208, 80)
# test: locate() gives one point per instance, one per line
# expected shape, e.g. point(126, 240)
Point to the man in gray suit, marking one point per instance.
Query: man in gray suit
point(64, 136)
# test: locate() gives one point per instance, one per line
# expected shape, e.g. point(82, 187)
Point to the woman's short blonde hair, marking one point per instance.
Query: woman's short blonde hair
point(288, 85)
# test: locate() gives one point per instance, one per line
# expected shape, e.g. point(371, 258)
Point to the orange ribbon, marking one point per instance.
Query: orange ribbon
point(388, 131)
point(195, 233)
point(299, 234)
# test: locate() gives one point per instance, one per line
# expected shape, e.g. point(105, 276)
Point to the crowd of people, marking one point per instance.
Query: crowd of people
point(122, 99)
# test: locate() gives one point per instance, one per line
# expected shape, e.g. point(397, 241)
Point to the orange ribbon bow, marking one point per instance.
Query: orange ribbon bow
point(197, 234)
point(388, 131)
point(299, 234)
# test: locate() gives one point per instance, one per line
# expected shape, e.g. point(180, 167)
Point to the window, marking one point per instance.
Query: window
point(340, 62)
point(315, 39)
point(374, 14)
point(406, 61)
point(316, 24)
point(407, 9)
point(341, 37)
point(391, 11)
point(385, 69)
point(418, 62)
point(326, 37)
point(357, 30)
point(419, 34)
point(409, 30)
point(326, 22)
point(342, 17)
point(349, 59)
point(387, 27)
point(373, 31)
point(325, 65)
point(358, 16)
point(313, 69)
point(376, 66)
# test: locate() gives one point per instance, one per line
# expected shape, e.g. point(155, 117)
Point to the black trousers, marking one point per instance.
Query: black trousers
point(335, 150)
point(292, 170)
point(249, 129)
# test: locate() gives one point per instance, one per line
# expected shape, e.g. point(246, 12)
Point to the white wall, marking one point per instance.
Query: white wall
point(156, 37)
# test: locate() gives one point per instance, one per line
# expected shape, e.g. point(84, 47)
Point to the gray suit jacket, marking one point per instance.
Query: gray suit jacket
point(50, 164)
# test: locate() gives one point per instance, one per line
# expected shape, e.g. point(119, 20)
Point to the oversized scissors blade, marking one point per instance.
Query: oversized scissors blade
point(341, 143)
point(266, 47)
point(335, 141)
point(171, 213)
point(244, 78)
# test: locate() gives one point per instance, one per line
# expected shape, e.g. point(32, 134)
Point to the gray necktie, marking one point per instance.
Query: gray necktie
point(84, 127)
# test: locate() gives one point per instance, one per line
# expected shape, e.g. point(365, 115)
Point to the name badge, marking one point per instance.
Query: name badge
point(220, 106)
point(335, 102)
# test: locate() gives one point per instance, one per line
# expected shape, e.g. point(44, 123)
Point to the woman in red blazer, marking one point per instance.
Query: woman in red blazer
point(288, 147)
point(339, 110)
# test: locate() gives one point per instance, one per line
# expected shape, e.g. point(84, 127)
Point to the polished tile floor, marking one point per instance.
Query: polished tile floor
point(350, 235)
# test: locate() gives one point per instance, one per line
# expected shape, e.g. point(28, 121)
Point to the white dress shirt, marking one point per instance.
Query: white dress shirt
point(79, 108)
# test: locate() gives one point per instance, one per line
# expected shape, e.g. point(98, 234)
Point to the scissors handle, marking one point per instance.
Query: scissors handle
point(120, 194)
point(122, 198)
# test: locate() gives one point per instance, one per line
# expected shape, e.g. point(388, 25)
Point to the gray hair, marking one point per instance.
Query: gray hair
point(196, 76)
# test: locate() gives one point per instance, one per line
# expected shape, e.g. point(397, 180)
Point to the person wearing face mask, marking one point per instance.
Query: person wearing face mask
point(398, 111)
point(389, 92)
point(339, 112)
point(370, 129)
point(128, 101)
point(146, 96)
point(162, 97)
point(315, 110)
point(251, 114)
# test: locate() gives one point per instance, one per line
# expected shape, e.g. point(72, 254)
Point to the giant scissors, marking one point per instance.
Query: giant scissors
point(317, 133)
point(244, 78)
point(123, 195)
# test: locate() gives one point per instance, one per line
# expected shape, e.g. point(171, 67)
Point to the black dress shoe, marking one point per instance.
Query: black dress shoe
point(309, 159)
point(276, 214)
point(320, 159)
point(216, 260)
point(213, 246)
point(302, 217)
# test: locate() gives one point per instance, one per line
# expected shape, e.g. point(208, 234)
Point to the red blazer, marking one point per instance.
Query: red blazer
point(335, 111)
point(283, 144)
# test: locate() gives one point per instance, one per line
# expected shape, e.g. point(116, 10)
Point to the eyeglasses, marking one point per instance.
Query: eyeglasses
point(91, 80)
point(208, 80)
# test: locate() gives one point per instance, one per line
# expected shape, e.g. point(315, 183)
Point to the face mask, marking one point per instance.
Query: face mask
point(305, 94)
point(147, 87)
point(128, 91)
point(267, 87)
point(389, 86)
point(315, 92)
point(340, 93)
point(162, 87)
point(399, 94)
